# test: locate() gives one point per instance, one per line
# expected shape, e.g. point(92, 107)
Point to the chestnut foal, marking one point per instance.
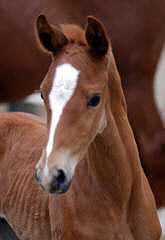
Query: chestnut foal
point(89, 150)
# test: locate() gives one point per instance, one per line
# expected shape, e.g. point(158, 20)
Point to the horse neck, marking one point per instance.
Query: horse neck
point(113, 159)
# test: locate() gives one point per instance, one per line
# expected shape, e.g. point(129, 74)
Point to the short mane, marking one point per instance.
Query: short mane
point(74, 33)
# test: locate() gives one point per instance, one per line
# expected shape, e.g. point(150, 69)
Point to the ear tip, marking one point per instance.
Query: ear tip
point(91, 19)
point(41, 16)
point(41, 19)
point(96, 36)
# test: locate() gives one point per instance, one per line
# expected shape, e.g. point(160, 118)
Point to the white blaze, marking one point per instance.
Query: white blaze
point(63, 86)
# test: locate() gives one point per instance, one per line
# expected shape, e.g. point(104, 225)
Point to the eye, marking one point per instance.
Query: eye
point(94, 101)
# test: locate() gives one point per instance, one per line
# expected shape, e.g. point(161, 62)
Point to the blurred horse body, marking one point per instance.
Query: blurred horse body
point(137, 33)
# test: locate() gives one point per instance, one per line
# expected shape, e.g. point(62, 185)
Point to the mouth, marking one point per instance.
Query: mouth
point(58, 185)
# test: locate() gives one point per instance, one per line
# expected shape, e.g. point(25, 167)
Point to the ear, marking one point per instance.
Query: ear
point(50, 38)
point(96, 36)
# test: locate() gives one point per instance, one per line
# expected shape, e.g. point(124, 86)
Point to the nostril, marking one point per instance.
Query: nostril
point(60, 176)
point(59, 183)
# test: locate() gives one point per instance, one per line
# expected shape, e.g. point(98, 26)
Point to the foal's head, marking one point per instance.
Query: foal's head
point(74, 91)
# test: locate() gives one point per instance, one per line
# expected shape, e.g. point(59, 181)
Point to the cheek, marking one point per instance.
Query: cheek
point(97, 122)
point(102, 123)
point(88, 127)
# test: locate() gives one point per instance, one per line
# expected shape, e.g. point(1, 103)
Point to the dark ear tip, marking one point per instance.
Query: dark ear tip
point(96, 36)
point(90, 19)
point(41, 19)
point(93, 20)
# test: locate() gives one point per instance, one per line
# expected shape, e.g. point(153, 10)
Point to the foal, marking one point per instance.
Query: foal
point(87, 149)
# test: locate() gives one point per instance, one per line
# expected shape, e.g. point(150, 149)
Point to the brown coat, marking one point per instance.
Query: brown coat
point(109, 197)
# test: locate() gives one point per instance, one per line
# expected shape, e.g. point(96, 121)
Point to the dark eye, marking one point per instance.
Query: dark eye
point(42, 96)
point(94, 101)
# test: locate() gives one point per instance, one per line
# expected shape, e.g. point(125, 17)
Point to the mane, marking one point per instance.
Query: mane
point(74, 33)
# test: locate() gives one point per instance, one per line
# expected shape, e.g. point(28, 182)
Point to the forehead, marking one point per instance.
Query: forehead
point(75, 64)
point(65, 77)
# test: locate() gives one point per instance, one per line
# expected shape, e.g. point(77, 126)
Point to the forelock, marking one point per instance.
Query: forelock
point(74, 33)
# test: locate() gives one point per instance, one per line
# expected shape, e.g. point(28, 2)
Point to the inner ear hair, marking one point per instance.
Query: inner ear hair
point(51, 38)
point(96, 36)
